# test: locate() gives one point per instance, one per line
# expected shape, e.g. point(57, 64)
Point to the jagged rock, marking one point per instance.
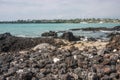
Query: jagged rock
point(12, 43)
point(49, 34)
point(11, 71)
point(69, 77)
point(110, 35)
point(35, 78)
point(2, 78)
point(117, 28)
point(69, 36)
point(40, 75)
point(114, 76)
point(92, 39)
point(5, 35)
point(92, 76)
point(107, 70)
point(114, 43)
point(25, 75)
point(95, 29)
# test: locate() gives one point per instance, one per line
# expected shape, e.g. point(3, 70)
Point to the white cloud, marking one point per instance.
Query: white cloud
point(49, 9)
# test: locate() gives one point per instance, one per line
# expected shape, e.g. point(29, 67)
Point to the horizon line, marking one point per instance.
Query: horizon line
point(59, 19)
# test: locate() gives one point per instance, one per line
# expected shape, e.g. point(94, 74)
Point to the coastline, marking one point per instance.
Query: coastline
point(67, 57)
point(55, 58)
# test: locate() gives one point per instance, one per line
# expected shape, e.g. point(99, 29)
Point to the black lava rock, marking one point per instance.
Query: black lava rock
point(49, 34)
point(69, 36)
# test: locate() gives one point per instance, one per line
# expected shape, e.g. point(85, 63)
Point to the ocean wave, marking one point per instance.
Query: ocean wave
point(21, 35)
point(106, 31)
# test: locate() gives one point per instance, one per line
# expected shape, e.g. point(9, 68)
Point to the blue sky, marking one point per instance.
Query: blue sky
point(54, 9)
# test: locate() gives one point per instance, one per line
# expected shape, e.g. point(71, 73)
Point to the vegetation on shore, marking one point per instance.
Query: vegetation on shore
point(87, 20)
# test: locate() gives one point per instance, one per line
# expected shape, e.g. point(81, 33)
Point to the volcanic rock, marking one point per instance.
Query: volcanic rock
point(12, 43)
point(114, 43)
point(69, 36)
point(49, 34)
point(117, 28)
point(48, 61)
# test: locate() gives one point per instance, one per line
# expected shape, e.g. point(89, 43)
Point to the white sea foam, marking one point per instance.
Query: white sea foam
point(21, 35)
point(105, 31)
point(108, 31)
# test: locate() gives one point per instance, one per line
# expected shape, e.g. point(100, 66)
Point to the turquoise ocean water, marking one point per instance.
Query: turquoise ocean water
point(35, 30)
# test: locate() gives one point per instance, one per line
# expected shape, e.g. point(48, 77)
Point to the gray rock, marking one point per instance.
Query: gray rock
point(69, 36)
point(2, 77)
point(35, 78)
point(40, 75)
point(43, 46)
point(10, 72)
point(25, 75)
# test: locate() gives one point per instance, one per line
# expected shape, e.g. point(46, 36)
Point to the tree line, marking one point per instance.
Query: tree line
point(87, 20)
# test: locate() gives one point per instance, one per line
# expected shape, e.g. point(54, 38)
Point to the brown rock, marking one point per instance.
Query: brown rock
point(107, 70)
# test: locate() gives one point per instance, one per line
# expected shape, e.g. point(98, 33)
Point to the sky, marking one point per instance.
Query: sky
point(58, 9)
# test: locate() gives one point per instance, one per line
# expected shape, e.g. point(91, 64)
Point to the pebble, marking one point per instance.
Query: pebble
point(19, 71)
point(114, 50)
point(75, 57)
point(55, 60)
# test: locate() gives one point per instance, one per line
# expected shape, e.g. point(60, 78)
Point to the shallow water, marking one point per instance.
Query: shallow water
point(35, 30)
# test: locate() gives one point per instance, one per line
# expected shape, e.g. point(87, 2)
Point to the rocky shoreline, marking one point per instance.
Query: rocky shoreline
point(61, 58)
point(116, 28)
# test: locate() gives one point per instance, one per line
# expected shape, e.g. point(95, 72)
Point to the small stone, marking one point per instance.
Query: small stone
point(11, 71)
point(2, 78)
point(23, 52)
point(106, 78)
point(114, 50)
point(114, 75)
point(107, 70)
point(26, 75)
point(75, 57)
point(69, 77)
point(40, 75)
point(101, 52)
point(91, 76)
point(118, 60)
point(90, 56)
point(75, 76)
point(35, 78)
point(19, 71)
point(56, 60)
point(21, 60)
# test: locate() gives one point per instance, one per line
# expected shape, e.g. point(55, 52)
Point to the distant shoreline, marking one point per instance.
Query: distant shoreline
point(91, 20)
point(54, 23)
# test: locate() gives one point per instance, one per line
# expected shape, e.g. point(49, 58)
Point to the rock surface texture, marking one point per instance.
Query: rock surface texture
point(46, 60)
